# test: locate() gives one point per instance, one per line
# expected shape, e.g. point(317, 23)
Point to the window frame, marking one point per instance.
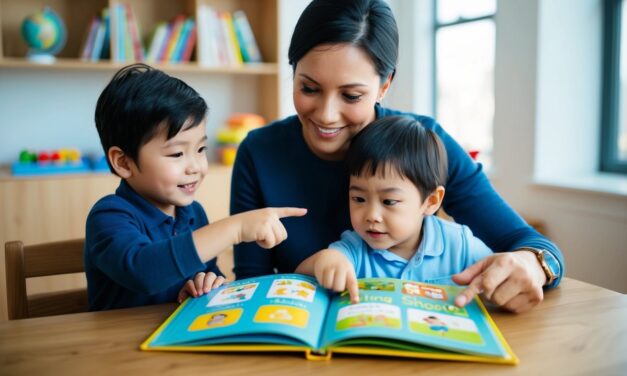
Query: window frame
point(612, 23)
point(436, 27)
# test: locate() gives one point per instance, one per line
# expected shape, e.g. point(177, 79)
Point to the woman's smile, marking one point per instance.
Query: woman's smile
point(328, 132)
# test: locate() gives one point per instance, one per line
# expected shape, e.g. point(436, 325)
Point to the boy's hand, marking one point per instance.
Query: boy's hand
point(200, 285)
point(264, 226)
point(333, 271)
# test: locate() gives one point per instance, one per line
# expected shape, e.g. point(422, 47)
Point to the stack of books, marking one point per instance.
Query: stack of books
point(173, 41)
point(226, 38)
point(125, 32)
point(96, 42)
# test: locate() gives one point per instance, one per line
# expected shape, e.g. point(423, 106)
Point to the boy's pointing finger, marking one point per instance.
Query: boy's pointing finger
point(290, 212)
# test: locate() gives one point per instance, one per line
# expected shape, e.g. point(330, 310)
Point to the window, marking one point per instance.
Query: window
point(464, 71)
point(614, 118)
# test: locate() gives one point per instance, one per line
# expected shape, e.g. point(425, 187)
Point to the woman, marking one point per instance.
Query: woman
point(344, 55)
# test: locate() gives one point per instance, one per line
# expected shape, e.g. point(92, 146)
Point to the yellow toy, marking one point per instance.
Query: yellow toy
point(233, 133)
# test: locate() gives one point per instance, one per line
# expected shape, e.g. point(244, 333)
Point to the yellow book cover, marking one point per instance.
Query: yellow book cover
point(291, 312)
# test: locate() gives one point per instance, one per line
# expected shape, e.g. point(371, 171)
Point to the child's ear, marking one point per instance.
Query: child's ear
point(120, 162)
point(434, 201)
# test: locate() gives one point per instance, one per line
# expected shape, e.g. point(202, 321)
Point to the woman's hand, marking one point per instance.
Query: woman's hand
point(512, 280)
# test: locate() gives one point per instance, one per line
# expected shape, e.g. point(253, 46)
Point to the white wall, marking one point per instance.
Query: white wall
point(546, 127)
point(547, 124)
point(47, 109)
point(413, 83)
point(289, 10)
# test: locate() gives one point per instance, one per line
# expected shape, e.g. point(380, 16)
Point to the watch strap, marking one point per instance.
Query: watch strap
point(548, 263)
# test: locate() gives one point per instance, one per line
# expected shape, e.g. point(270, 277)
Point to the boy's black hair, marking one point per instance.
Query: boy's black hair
point(403, 145)
point(140, 100)
point(368, 24)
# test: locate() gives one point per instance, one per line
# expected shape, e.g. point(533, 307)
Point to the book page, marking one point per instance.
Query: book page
point(275, 309)
point(399, 314)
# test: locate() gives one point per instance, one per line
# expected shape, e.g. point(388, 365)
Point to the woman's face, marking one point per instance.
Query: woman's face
point(335, 90)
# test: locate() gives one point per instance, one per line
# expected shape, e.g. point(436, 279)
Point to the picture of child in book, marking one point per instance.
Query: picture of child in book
point(436, 324)
point(217, 319)
point(150, 242)
point(398, 171)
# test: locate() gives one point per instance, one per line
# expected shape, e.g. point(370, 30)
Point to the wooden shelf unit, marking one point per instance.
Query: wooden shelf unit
point(265, 69)
point(76, 14)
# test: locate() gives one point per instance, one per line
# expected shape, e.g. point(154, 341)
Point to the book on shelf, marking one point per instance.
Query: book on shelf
point(230, 40)
point(225, 38)
point(190, 43)
point(95, 45)
point(120, 33)
point(172, 41)
point(221, 40)
point(133, 35)
point(177, 27)
point(186, 33)
point(88, 41)
point(292, 312)
point(207, 54)
point(105, 52)
point(126, 34)
point(159, 36)
point(247, 43)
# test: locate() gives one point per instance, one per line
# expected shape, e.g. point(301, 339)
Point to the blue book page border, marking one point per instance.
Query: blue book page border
point(272, 306)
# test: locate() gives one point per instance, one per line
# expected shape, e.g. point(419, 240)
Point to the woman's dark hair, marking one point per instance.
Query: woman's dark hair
point(137, 102)
point(403, 145)
point(368, 24)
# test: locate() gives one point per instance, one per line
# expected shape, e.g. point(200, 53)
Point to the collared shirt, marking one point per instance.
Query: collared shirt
point(446, 248)
point(135, 254)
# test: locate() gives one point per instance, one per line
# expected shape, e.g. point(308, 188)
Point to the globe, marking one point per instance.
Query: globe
point(45, 34)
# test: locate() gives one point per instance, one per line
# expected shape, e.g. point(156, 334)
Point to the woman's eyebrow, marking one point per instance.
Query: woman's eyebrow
point(350, 85)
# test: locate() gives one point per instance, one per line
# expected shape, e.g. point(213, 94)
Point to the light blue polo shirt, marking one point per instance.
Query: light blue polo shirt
point(446, 249)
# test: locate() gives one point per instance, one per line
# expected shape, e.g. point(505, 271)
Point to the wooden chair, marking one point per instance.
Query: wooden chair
point(39, 260)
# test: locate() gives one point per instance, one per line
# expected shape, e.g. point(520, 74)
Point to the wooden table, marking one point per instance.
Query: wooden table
point(578, 329)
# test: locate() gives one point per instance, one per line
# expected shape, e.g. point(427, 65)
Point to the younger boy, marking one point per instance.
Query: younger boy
point(397, 174)
point(145, 241)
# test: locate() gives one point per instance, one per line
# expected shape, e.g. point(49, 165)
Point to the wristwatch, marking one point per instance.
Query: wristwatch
point(548, 263)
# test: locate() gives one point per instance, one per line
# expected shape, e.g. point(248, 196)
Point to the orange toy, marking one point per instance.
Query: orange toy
point(245, 121)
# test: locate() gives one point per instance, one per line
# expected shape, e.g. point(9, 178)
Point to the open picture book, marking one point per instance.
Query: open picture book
point(291, 312)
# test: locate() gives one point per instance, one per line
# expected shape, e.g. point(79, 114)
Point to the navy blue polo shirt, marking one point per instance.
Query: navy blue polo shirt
point(136, 255)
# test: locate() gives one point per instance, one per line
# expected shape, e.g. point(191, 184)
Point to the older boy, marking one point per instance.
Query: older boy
point(145, 241)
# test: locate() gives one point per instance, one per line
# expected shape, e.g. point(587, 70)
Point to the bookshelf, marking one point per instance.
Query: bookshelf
point(76, 14)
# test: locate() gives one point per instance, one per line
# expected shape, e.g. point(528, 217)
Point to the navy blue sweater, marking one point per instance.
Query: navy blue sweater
point(135, 254)
point(274, 167)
